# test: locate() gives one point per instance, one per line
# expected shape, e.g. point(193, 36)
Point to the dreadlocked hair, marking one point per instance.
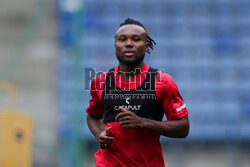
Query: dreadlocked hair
point(150, 41)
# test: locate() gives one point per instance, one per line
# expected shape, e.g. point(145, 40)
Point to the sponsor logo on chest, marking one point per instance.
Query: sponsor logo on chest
point(128, 107)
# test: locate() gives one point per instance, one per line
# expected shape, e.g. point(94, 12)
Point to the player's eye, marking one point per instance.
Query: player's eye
point(122, 38)
point(136, 38)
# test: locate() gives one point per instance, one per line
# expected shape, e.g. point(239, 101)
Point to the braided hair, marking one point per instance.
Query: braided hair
point(150, 41)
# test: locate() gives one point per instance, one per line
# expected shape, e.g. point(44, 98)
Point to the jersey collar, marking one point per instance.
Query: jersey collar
point(134, 82)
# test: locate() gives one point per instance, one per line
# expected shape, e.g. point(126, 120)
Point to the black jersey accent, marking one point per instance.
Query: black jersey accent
point(141, 100)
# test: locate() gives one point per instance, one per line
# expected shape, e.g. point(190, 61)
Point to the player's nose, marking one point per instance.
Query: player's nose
point(129, 43)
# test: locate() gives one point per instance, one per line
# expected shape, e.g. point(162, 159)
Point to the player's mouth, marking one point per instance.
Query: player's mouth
point(129, 53)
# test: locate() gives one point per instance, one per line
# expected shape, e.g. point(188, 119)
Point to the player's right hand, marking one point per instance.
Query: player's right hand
point(105, 140)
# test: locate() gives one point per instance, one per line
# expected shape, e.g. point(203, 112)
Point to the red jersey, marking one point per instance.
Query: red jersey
point(135, 147)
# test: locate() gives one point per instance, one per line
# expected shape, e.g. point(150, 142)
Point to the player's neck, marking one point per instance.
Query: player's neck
point(129, 72)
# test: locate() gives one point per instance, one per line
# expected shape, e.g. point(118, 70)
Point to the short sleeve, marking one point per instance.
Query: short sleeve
point(95, 105)
point(171, 99)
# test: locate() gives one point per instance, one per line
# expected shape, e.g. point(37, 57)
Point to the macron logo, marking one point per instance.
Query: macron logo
point(180, 108)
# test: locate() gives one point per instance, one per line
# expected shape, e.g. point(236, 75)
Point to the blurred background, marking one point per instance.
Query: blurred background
point(46, 45)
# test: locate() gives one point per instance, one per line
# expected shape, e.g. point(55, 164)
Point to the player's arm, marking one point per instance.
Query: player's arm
point(95, 125)
point(172, 128)
point(99, 130)
point(95, 114)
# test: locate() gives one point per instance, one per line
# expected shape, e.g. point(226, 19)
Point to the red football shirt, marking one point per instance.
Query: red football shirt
point(135, 147)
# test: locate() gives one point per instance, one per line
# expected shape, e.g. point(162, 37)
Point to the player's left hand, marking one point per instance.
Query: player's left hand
point(129, 119)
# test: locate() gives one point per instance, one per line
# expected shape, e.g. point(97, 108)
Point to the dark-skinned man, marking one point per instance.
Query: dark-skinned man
point(128, 103)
